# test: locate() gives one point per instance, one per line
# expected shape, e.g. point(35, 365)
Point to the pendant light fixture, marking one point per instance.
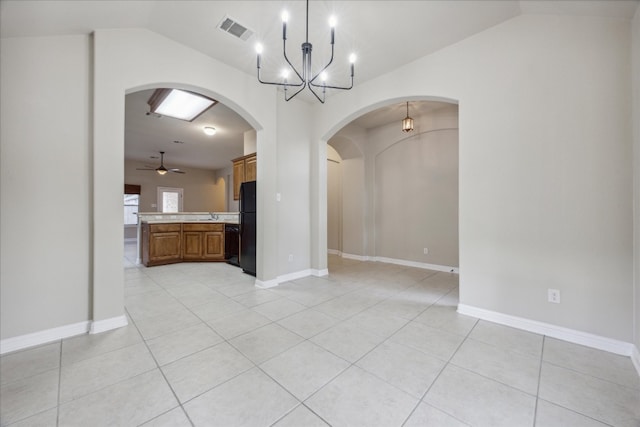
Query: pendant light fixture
point(306, 78)
point(407, 123)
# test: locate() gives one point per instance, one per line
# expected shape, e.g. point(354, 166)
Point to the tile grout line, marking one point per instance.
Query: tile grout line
point(161, 373)
point(59, 386)
point(447, 363)
point(535, 407)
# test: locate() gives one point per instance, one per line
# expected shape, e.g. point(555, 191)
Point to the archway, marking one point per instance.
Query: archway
point(370, 216)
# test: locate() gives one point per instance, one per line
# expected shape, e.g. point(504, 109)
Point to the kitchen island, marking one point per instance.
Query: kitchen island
point(182, 237)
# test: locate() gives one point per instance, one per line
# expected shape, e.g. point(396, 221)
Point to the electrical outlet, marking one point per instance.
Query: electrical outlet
point(290, 257)
point(426, 251)
point(553, 296)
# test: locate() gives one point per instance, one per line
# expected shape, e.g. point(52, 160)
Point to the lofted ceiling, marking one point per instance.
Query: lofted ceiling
point(383, 34)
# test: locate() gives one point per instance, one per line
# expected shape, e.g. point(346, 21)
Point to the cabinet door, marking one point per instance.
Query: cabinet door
point(238, 177)
point(251, 168)
point(213, 245)
point(164, 246)
point(192, 245)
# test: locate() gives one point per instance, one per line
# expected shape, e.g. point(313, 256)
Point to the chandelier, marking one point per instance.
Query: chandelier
point(306, 78)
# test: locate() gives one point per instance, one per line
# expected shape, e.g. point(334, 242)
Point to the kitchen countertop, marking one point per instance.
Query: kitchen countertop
point(195, 221)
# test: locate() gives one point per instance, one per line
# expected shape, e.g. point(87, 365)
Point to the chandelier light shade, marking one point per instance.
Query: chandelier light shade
point(305, 78)
point(407, 122)
point(208, 130)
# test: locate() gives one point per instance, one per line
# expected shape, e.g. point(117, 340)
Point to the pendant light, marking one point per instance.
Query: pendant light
point(407, 123)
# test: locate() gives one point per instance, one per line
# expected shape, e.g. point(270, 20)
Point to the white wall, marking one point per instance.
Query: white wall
point(45, 187)
point(636, 168)
point(292, 185)
point(545, 170)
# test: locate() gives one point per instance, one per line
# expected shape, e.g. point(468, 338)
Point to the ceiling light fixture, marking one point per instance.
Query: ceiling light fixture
point(179, 104)
point(407, 123)
point(209, 130)
point(307, 79)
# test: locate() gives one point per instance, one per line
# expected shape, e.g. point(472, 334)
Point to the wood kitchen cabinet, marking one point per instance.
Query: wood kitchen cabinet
point(203, 242)
point(161, 244)
point(245, 169)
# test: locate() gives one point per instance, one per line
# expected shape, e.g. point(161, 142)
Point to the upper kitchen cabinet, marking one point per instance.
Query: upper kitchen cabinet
point(245, 169)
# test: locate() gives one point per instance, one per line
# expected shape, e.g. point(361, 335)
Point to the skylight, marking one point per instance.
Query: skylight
point(179, 104)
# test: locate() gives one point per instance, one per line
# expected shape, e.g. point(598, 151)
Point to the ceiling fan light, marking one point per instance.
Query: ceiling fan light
point(161, 171)
point(208, 130)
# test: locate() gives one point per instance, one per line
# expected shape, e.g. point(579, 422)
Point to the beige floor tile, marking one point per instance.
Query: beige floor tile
point(26, 363)
point(251, 399)
point(590, 361)
point(174, 418)
point(301, 417)
point(347, 342)
point(480, 401)
point(279, 309)
point(428, 416)
point(308, 323)
point(265, 342)
point(171, 321)
point(89, 375)
point(432, 341)
point(357, 398)
point(508, 338)
point(239, 323)
point(550, 415)
point(130, 402)
point(184, 342)
point(508, 367)
point(410, 370)
point(602, 400)
point(28, 396)
point(291, 369)
point(202, 371)
point(87, 346)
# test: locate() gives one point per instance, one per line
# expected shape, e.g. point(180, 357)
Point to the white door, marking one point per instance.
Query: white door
point(169, 199)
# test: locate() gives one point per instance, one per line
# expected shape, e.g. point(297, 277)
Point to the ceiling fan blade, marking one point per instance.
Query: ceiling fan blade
point(176, 171)
point(144, 169)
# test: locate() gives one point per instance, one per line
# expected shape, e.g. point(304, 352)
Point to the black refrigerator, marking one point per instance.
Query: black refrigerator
point(248, 227)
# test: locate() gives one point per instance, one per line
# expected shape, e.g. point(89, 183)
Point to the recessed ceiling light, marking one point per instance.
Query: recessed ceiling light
point(179, 104)
point(209, 130)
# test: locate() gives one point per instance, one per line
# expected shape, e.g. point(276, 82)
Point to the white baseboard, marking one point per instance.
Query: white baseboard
point(293, 276)
point(635, 358)
point(266, 284)
point(571, 335)
point(445, 268)
point(334, 252)
point(319, 273)
point(98, 326)
point(42, 337)
point(355, 257)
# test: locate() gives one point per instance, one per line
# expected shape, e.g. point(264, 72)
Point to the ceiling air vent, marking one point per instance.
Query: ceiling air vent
point(231, 26)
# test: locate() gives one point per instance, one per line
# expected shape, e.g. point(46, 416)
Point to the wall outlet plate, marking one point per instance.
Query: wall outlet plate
point(553, 295)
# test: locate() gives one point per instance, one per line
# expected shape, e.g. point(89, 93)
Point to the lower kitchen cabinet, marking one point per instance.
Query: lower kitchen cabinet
point(161, 244)
point(176, 242)
point(203, 242)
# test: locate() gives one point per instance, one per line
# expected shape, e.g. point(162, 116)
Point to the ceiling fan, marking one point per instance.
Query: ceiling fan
point(161, 169)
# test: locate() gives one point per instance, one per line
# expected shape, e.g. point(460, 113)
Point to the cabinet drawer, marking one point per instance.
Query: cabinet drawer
point(202, 227)
point(163, 228)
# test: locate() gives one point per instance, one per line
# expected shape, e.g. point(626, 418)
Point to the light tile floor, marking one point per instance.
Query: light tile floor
point(370, 345)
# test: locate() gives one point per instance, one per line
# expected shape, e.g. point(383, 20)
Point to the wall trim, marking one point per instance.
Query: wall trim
point(356, 257)
point(293, 276)
point(320, 273)
point(43, 337)
point(98, 326)
point(266, 284)
point(436, 267)
point(334, 252)
point(571, 335)
point(131, 240)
